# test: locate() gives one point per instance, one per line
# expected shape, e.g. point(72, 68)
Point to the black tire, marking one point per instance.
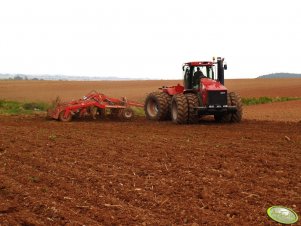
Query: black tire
point(167, 99)
point(126, 114)
point(193, 101)
point(157, 105)
point(62, 117)
point(236, 101)
point(233, 100)
point(179, 109)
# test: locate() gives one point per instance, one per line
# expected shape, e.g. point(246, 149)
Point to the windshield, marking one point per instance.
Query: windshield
point(193, 75)
point(207, 71)
point(202, 69)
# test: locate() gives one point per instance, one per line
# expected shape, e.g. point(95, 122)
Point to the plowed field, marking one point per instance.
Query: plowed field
point(146, 173)
point(107, 172)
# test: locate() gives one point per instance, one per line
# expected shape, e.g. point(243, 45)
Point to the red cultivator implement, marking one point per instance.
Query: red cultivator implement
point(93, 104)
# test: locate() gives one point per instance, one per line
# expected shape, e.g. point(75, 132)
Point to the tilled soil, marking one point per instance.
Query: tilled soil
point(278, 111)
point(146, 173)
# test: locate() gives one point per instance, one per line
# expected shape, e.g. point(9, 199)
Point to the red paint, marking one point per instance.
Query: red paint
point(200, 63)
point(173, 90)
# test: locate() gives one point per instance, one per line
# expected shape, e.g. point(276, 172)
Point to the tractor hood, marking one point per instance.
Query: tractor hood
point(209, 84)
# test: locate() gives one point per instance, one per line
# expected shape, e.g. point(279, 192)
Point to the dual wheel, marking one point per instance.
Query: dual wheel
point(180, 108)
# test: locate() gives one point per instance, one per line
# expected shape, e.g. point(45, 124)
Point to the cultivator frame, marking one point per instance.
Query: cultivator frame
point(93, 104)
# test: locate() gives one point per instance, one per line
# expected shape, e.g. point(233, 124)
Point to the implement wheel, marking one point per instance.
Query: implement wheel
point(179, 109)
point(157, 106)
point(126, 113)
point(62, 117)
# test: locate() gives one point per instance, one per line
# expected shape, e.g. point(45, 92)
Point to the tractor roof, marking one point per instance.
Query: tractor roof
point(200, 63)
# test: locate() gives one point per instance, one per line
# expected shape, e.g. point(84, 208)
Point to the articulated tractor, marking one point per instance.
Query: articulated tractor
point(203, 93)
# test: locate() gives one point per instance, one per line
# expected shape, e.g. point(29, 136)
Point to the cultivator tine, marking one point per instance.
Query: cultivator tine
point(55, 103)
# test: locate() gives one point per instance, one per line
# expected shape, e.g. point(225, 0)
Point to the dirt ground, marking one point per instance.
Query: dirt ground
point(146, 173)
point(280, 111)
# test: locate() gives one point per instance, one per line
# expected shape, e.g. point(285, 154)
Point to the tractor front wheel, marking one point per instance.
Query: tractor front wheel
point(236, 101)
point(233, 100)
point(179, 109)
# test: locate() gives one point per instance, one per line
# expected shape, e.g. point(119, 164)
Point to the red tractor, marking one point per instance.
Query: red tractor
point(203, 93)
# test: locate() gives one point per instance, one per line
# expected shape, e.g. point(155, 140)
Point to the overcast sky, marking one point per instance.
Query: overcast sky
point(137, 38)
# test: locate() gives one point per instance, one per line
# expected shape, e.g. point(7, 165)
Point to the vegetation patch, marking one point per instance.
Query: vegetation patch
point(15, 107)
point(138, 111)
point(264, 100)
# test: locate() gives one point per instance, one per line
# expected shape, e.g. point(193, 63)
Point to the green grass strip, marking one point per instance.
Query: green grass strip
point(264, 100)
point(138, 111)
point(15, 107)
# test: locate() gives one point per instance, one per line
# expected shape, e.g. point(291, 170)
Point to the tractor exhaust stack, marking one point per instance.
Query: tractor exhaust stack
point(220, 70)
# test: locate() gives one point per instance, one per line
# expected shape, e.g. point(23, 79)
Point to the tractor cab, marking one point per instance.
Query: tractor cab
point(194, 72)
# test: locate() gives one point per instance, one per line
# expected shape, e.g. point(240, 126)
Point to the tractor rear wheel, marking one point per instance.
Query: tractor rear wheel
point(62, 117)
point(179, 109)
point(126, 113)
point(157, 105)
point(193, 102)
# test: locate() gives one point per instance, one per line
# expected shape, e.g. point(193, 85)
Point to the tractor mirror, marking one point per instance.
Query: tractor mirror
point(225, 67)
point(183, 67)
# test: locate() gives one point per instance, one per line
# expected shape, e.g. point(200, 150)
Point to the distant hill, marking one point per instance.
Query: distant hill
point(280, 75)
